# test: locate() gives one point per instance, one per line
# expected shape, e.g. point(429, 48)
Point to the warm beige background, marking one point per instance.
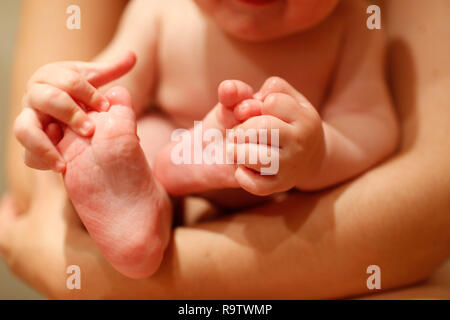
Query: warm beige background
point(10, 288)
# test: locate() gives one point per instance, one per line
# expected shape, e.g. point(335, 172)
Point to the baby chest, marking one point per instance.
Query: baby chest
point(192, 66)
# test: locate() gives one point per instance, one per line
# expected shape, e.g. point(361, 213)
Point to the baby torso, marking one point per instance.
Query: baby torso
point(194, 55)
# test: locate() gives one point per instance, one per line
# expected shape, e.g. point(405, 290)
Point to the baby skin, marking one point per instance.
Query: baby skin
point(300, 148)
point(110, 173)
point(108, 178)
point(216, 61)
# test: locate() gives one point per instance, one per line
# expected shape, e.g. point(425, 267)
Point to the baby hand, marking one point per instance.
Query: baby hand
point(277, 109)
point(55, 93)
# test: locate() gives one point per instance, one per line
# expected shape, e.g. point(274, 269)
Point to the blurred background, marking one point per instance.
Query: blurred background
point(10, 288)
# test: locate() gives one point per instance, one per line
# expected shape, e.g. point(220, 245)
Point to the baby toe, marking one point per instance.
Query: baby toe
point(247, 109)
point(231, 92)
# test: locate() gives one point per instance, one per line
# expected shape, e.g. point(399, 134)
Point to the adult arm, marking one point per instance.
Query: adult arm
point(305, 246)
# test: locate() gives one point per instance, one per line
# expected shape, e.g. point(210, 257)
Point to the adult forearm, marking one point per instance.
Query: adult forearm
point(306, 246)
point(319, 246)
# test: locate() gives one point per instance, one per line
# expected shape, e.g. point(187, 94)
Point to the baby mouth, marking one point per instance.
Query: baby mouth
point(257, 2)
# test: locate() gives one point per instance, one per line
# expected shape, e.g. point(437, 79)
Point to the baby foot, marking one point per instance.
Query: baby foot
point(110, 183)
point(187, 178)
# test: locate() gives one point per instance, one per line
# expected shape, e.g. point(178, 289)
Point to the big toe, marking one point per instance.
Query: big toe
point(119, 96)
point(121, 105)
point(119, 120)
point(231, 92)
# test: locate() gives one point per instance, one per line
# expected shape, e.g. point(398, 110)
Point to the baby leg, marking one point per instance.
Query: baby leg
point(154, 130)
